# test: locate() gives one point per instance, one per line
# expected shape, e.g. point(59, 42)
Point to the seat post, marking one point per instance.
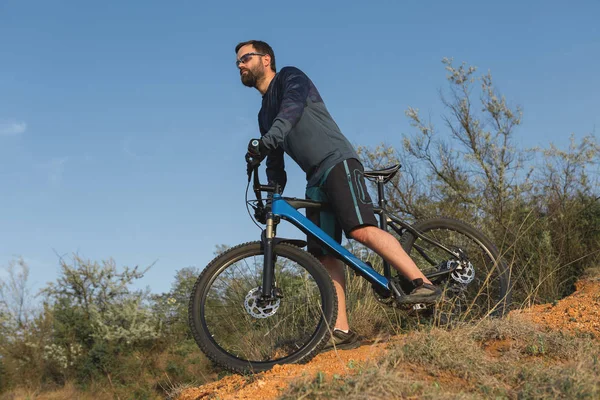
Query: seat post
point(382, 202)
point(380, 192)
point(383, 220)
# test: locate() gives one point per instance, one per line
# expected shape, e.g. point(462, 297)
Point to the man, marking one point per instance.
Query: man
point(293, 119)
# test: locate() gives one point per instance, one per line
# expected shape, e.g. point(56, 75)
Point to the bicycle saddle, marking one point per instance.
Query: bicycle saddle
point(387, 173)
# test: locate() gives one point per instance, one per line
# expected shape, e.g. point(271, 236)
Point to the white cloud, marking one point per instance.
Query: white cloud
point(12, 128)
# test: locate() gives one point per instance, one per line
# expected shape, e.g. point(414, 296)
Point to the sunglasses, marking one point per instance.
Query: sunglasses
point(246, 57)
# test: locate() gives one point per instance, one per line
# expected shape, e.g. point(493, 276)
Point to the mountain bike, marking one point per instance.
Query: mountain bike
point(271, 302)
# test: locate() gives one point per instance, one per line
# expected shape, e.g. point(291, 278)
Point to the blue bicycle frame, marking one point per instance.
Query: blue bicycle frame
point(287, 209)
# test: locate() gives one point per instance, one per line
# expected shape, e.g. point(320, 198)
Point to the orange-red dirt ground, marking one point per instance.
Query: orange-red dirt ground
point(577, 313)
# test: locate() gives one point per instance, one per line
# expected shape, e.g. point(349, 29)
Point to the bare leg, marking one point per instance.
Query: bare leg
point(388, 247)
point(336, 270)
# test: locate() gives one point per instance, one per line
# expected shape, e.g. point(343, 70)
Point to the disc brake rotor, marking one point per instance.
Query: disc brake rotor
point(464, 274)
point(252, 307)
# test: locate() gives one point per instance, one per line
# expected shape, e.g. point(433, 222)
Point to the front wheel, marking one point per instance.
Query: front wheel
point(241, 333)
point(479, 286)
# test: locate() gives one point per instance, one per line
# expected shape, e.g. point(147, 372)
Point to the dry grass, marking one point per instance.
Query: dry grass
point(366, 315)
point(68, 391)
point(150, 376)
point(494, 359)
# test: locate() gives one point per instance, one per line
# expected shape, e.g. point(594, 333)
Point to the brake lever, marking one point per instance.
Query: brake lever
point(249, 170)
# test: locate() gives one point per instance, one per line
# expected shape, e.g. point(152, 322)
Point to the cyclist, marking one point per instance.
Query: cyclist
point(294, 119)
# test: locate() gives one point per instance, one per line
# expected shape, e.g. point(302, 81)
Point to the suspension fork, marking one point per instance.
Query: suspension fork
point(267, 237)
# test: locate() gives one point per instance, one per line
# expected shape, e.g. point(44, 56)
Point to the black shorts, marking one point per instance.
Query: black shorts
point(344, 188)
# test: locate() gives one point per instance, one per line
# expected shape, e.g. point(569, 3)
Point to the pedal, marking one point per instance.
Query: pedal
point(419, 306)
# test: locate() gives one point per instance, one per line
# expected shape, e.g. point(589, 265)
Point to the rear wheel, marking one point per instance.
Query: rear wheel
point(479, 286)
point(242, 334)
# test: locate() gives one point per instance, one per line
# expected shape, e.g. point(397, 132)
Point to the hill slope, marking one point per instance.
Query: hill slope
point(578, 314)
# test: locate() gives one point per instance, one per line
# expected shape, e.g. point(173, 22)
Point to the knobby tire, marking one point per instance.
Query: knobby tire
point(229, 361)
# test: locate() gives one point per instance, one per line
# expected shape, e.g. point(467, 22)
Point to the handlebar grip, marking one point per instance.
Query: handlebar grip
point(255, 145)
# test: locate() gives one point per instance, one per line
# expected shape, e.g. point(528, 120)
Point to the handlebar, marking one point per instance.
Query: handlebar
point(260, 211)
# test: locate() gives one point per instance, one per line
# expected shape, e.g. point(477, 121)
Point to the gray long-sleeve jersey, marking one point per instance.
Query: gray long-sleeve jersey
point(293, 118)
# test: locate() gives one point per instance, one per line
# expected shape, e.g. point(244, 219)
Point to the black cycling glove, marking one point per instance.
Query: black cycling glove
point(255, 154)
point(256, 149)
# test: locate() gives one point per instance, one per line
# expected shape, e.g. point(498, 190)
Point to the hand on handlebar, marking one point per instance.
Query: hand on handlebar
point(256, 149)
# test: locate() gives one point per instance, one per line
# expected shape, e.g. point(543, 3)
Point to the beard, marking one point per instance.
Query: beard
point(250, 78)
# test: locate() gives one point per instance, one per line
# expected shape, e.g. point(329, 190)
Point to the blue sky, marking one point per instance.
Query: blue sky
point(123, 125)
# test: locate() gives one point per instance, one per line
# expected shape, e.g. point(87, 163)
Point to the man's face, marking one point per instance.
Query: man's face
point(251, 66)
